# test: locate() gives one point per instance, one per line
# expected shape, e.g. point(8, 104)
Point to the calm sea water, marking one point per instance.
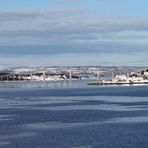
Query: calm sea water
point(76, 117)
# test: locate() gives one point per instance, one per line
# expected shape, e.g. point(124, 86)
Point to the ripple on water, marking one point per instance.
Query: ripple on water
point(6, 139)
point(4, 143)
point(128, 120)
point(6, 117)
point(105, 107)
point(57, 125)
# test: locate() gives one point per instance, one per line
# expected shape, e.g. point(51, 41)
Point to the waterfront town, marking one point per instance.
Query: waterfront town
point(98, 75)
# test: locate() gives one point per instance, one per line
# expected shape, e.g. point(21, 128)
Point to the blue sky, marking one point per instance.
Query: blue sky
point(74, 32)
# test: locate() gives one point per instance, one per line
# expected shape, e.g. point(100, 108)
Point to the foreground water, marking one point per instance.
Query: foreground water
point(97, 117)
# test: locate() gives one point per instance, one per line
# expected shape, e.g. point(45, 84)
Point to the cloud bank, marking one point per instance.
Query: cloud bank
point(39, 27)
point(69, 31)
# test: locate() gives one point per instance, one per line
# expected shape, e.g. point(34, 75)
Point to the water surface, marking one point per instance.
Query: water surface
point(77, 117)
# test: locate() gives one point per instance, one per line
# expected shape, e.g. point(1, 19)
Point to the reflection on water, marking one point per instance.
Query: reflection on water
point(44, 84)
point(74, 119)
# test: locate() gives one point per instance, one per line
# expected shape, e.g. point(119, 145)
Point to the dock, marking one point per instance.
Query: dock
point(101, 83)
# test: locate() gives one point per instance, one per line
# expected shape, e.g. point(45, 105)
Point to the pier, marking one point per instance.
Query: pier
point(101, 83)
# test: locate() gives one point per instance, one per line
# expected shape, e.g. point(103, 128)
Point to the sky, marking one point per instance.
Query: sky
point(73, 32)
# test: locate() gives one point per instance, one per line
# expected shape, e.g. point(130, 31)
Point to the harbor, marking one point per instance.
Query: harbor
point(123, 80)
point(91, 75)
point(131, 78)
